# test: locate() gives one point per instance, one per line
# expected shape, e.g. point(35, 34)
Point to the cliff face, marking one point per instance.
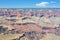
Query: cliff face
point(30, 20)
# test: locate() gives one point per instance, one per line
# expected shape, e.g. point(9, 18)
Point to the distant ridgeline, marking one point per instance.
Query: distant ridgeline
point(38, 12)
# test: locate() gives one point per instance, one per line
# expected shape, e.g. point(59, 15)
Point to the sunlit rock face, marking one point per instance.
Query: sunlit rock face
point(30, 22)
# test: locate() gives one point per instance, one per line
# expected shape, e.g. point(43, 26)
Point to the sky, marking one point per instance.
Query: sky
point(29, 3)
